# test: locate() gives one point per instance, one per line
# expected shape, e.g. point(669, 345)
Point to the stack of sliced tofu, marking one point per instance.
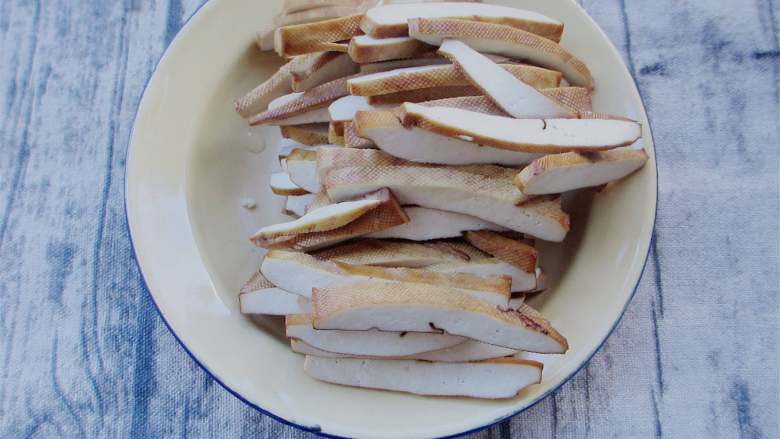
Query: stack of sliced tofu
point(425, 147)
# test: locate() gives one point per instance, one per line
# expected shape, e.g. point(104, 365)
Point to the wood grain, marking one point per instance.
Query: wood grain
point(84, 354)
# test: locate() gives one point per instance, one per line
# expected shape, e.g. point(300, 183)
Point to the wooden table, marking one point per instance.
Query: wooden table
point(84, 354)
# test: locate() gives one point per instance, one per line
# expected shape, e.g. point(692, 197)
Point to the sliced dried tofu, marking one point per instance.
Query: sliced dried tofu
point(385, 253)
point(424, 59)
point(469, 350)
point(330, 158)
point(480, 191)
point(572, 170)
point(321, 199)
point(299, 273)
point(257, 100)
point(424, 94)
point(392, 20)
point(369, 343)
point(265, 37)
point(522, 281)
point(367, 49)
point(315, 37)
point(296, 205)
point(388, 214)
point(400, 306)
point(426, 224)
point(352, 140)
point(282, 185)
point(344, 109)
point(513, 95)
point(525, 135)
point(504, 40)
point(286, 146)
point(490, 379)
point(325, 67)
point(416, 144)
point(260, 296)
point(336, 133)
point(327, 218)
point(511, 251)
point(576, 98)
point(317, 99)
point(311, 134)
point(302, 168)
point(447, 75)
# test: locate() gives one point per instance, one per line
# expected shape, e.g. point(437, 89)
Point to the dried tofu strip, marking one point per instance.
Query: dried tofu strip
point(302, 168)
point(324, 67)
point(399, 306)
point(576, 98)
point(419, 145)
point(415, 78)
point(367, 49)
point(479, 191)
point(257, 100)
point(296, 205)
point(491, 379)
point(336, 133)
point(260, 296)
point(315, 99)
point(299, 273)
point(282, 185)
point(384, 253)
point(424, 95)
point(352, 140)
point(344, 109)
point(504, 40)
point(572, 170)
point(330, 158)
point(315, 37)
point(392, 20)
point(513, 95)
point(369, 343)
point(426, 224)
point(522, 281)
point(525, 135)
point(511, 251)
point(321, 220)
point(388, 214)
point(321, 199)
point(425, 59)
point(469, 350)
point(307, 134)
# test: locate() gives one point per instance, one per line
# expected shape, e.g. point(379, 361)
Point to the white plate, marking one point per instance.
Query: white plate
point(189, 167)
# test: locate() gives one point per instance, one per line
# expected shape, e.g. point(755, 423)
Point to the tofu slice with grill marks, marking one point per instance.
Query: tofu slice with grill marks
point(504, 40)
point(299, 273)
point(524, 135)
point(260, 296)
point(370, 342)
point(392, 20)
point(402, 306)
point(480, 191)
point(573, 170)
point(388, 214)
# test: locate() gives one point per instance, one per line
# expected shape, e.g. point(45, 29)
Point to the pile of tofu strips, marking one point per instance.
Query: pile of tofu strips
point(425, 147)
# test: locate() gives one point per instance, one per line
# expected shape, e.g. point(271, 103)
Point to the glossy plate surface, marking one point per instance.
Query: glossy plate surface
point(192, 161)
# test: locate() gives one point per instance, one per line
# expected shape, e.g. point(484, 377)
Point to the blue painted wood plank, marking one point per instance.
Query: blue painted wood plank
point(83, 353)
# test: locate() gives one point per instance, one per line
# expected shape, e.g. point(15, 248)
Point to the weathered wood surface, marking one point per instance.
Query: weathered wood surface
point(83, 353)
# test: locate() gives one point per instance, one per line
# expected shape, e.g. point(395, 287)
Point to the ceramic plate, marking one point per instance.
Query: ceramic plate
point(192, 161)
